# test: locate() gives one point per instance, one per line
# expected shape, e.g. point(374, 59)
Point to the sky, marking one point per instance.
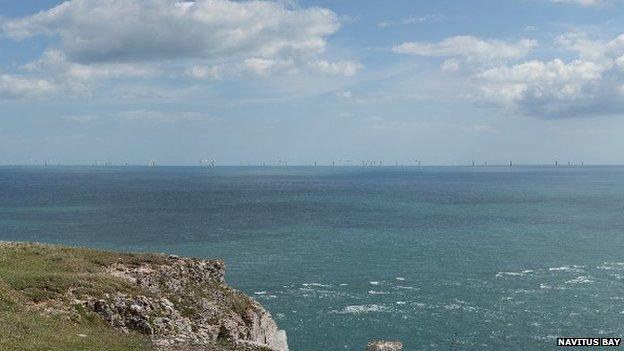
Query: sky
point(247, 82)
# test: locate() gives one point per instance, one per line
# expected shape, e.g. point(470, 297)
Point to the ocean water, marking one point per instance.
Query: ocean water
point(442, 258)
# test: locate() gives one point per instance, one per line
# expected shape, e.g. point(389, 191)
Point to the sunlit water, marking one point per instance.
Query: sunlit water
point(445, 258)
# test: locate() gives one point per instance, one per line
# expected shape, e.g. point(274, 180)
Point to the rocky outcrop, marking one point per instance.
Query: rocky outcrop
point(182, 301)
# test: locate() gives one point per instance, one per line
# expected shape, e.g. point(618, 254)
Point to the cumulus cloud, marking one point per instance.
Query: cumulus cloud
point(102, 40)
point(21, 87)
point(591, 84)
point(165, 29)
point(55, 61)
point(339, 68)
point(265, 67)
point(469, 48)
point(588, 82)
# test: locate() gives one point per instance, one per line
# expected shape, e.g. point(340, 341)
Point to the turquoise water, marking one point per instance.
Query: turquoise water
point(448, 258)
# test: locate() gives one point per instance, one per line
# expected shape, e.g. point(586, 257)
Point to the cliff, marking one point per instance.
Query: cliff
point(59, 298)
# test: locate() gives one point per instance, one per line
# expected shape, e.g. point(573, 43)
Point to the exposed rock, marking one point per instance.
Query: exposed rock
point(384, 345)
point(186, 302)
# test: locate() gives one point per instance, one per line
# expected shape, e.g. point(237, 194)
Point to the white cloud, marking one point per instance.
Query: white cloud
point(469, 48)
point(339, 68)
point(165, 29)
point(582, 2)
point(203, 39)
point(549, 89)
point(592, 84)
point(55, 62)
point(203, 72)
point(166, 117)
point(81, 119)
point(451, 65)
point(21, 87)
point(345, 94)
point(409, 20)
point(250, 67)
point(263, 67)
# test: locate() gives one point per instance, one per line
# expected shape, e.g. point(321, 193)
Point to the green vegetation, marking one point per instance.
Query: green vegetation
point(34, 275)
point(45, 289)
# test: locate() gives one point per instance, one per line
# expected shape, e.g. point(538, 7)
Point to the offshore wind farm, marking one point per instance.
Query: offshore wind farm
point(395, 252)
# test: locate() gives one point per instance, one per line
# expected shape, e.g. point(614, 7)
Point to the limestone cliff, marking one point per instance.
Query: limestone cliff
point(84, 299)
point(186, 301)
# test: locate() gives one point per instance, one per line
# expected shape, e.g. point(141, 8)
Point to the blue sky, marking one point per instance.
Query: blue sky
point(259, 81)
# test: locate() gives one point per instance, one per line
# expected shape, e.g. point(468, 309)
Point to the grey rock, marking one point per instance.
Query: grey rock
point(187, 302)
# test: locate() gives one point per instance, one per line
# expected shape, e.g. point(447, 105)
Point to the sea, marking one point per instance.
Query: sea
point(441, 258)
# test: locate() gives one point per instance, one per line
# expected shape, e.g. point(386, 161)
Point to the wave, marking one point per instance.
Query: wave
point(360, 309)
point(514, 274)
point(405, 287)
point(568, 268)
point(373, 292)
point(583, 279)
point(317, 285)
point(608, 266)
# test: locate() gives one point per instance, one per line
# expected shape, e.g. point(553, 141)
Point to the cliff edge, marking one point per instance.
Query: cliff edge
point(60, 298)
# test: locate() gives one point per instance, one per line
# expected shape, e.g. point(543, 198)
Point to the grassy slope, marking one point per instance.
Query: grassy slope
point(32, 274)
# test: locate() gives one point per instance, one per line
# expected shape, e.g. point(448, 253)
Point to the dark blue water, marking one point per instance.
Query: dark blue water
point(445, 258)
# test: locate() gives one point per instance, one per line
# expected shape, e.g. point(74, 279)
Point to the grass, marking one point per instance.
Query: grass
point(33, 274)
point(23, 329)
point(37, 312)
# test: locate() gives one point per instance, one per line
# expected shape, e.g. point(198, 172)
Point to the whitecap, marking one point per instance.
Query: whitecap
point(373, 292)
point(524, 291)
point(607, 266)
point(583, 279)
point(317, 285)
point(260, 292)
point(374, 283)
point(400, 278)
point(359, 309)
point(567, 268)
point(513, 274)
